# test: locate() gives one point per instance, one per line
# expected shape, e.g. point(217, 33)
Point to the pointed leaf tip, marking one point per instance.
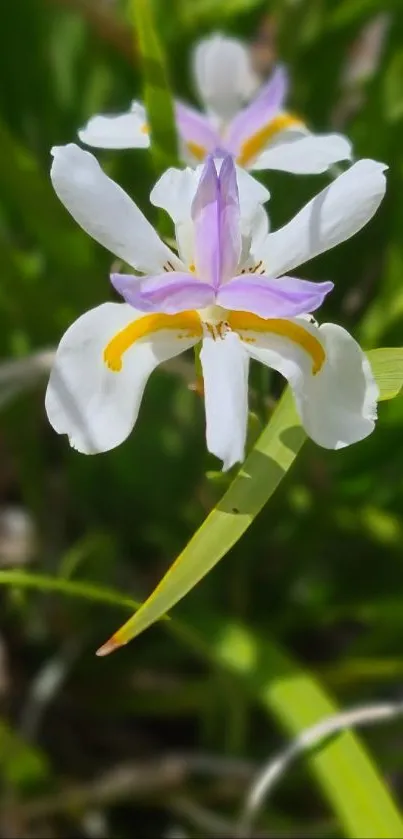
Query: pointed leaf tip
point(109, 647)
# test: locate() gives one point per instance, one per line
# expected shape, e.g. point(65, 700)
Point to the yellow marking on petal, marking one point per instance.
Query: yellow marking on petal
point(145, 129)
point(246, 322)
point(188, 322)
point(251, 147)
point(199, 152)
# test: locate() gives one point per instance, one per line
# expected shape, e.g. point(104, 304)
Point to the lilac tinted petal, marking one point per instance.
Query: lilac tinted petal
point(205, 215)
point(165, 293)
point(282, 298)
point(230, 239)
point(196, 131)
point(261, 110)
point(215, 213)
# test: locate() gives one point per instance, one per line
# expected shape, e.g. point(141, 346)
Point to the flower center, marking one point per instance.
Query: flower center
point(216, 322)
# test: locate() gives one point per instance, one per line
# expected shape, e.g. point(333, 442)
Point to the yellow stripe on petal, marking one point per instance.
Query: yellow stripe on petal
point(188, 323)
point(251, 147)
point(199, 152)
point(243, 322)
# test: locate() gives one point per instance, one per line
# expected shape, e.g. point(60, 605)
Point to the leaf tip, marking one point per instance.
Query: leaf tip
point(109, 647)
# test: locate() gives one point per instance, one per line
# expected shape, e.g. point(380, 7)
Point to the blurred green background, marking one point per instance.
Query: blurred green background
point(320, 570)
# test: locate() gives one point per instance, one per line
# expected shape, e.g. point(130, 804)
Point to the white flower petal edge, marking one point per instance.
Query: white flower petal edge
point(105, 211)
point(174, 193)
point(337, 406)
point(120, 131)
point(251, 192)
point(223, 74)
point(304, 155)
point(334, 215)
point(175, 190)
point(96, 407)
point(225, 367)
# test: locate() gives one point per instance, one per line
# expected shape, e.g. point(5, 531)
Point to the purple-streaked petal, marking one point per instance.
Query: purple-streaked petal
point(229, 220)
point(196, 131)
point(261, 110)
point(216, 216)
point(167, 293)
point(281, 298)
point(205, 215)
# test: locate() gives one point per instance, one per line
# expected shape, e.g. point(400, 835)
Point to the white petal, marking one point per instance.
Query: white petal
point(223, 74)
point(304, 155)
point(105, 211)
point(95, 406)
point(251, 192)
point(254, 232)
point(120, 131)
point(337, 406)
point(331, 217)
point(174, 193)
point(225, 367)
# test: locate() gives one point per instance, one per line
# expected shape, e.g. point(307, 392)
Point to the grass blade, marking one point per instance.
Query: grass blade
point(342, 768)
point(269, 461)
point(157, 95)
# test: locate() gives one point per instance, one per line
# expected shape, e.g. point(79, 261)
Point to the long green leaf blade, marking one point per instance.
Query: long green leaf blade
point(157, 95)
point(260, 475)
point(271, 458)
point(68, 588)
point(342, 767)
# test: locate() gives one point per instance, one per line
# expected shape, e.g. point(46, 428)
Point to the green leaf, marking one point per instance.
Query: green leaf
point(22, 764)
point(68, 588)
point(209, 11)
point(157, 95)
point(353, 11)
point(26, 187)
point(393, 95)
point(342, 767)
point(387, 366)
point(271, 458)
point(256, 481)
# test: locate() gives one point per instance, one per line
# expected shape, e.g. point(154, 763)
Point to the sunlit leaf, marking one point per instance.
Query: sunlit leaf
point(270, 459)
point(387, 365)
point(342, 767)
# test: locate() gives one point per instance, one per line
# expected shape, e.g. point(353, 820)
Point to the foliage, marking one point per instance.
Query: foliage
point(315, 582)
